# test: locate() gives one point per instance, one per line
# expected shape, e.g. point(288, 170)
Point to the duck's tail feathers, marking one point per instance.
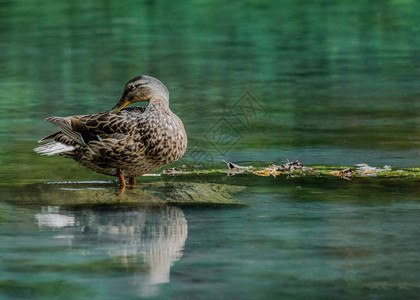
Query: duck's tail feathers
point(52, 148)
point(65, 125)
point(51, 136)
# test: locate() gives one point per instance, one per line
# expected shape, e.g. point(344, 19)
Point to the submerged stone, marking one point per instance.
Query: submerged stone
point(79, 194)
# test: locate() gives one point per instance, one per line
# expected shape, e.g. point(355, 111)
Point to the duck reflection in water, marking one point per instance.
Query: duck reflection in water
point(146, 242)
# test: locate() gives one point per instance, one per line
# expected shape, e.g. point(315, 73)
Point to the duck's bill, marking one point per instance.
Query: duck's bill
point(120, 105)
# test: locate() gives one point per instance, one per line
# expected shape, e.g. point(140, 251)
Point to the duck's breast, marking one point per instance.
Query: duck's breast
point(164, 137)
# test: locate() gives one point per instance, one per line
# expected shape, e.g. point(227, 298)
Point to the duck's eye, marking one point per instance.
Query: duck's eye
point(132, 87)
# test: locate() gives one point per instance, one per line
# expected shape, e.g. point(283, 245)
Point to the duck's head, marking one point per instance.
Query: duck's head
point(141, 89)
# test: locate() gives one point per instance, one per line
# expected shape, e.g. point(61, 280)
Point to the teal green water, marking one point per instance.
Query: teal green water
point(325, 82)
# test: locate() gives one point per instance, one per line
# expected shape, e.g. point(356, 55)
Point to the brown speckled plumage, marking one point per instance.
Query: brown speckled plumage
point(124, 141)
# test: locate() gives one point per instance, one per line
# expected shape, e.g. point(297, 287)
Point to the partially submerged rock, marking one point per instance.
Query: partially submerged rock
point(74, 195)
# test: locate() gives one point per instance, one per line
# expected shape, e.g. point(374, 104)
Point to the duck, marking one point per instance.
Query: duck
point(125, 142)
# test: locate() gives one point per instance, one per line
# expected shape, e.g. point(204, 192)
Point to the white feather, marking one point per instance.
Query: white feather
point(52, 148)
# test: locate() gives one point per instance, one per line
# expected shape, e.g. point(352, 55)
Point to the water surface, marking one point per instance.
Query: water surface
point(295, 238)
point(255, 82)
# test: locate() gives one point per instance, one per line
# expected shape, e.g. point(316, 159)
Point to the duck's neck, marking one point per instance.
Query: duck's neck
point(158, 103)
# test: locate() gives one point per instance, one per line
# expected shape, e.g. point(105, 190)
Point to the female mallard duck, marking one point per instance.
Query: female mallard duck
point(123, 142)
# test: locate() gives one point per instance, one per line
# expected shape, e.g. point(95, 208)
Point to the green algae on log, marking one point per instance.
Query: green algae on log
point(297, 169)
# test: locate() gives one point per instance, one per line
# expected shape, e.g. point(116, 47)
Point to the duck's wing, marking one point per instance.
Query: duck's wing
point(86, 128)
point(66, 130)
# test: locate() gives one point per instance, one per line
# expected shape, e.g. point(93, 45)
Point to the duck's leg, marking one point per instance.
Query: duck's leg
point(121, 178)
point(132, 181)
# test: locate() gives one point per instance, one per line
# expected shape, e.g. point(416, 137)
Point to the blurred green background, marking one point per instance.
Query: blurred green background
point(337, 80)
